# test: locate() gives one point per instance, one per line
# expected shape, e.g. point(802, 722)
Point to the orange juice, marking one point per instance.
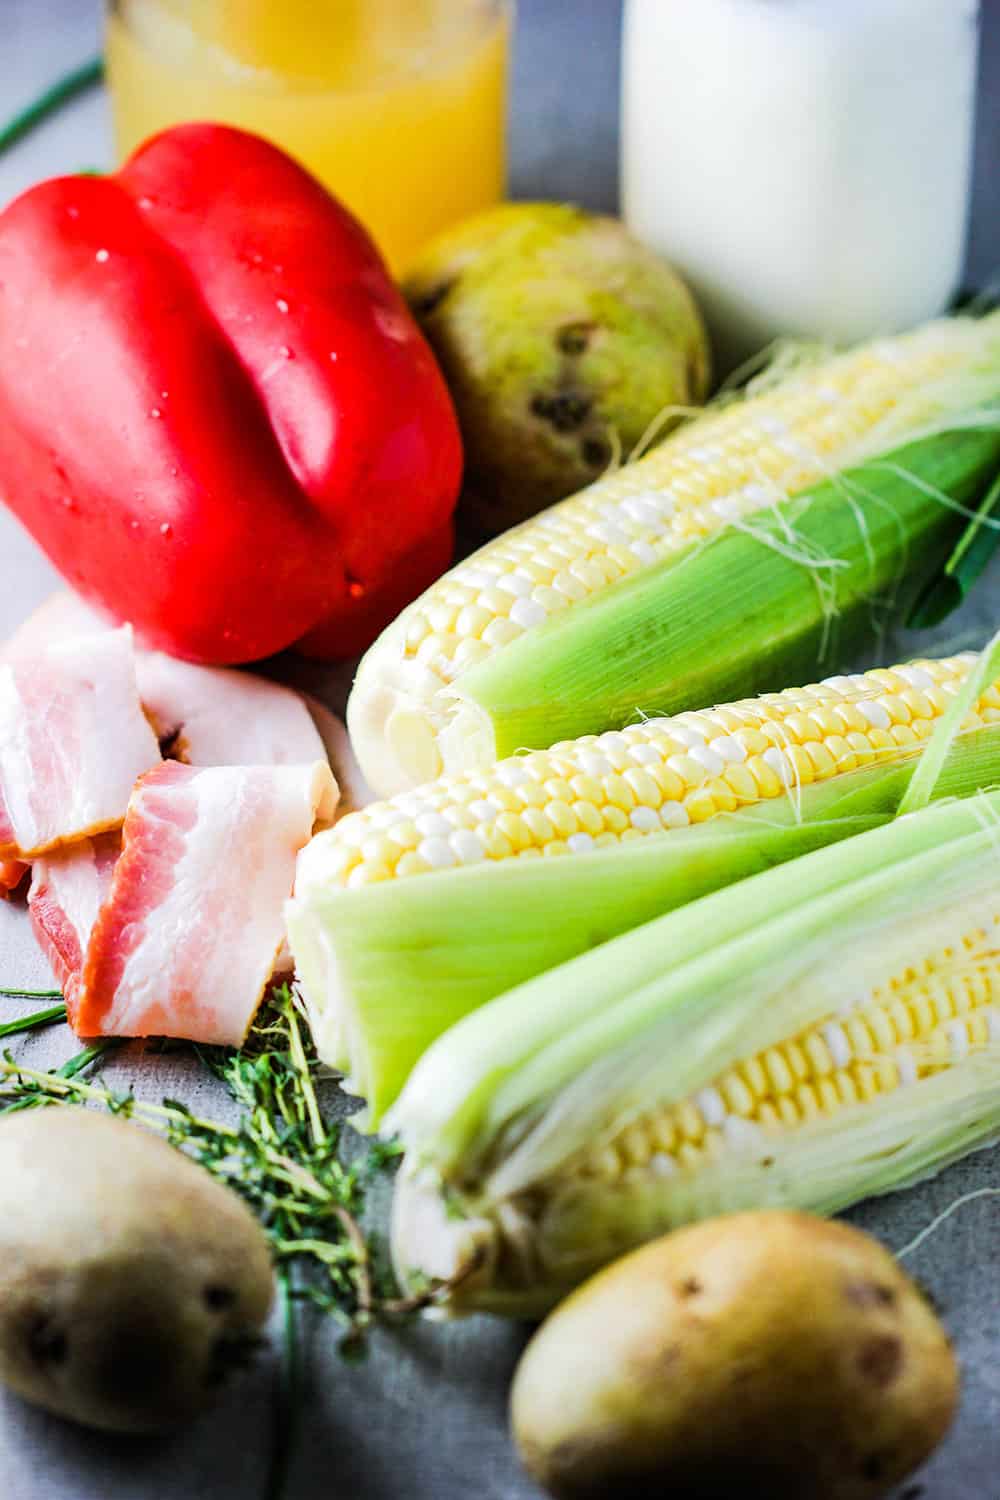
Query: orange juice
point(397, 105)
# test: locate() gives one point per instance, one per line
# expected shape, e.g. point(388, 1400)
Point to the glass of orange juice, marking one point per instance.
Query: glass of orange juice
point(399, 106)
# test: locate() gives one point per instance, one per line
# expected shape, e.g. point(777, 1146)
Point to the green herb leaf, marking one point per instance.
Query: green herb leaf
point(971, 554)
point(39, 1018)
point(77, 81)
point(31, 994)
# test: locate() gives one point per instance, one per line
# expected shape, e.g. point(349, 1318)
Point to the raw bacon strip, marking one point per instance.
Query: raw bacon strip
point(73, 740)
point(209, 716)
point(186, 942)
point(62, 617)
point(68, 889)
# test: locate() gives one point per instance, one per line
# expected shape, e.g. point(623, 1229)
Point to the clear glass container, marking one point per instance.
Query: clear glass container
point(806, 164)
point(399, 106)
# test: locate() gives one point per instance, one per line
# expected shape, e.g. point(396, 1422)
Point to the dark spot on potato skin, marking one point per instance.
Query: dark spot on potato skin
point(129, 1369)
point(219, 1298)
point(875, 1467)
point(48, 1342)
point(229, 1353)
point(690, 1287)
point(870, 1294)
point(881, 1359)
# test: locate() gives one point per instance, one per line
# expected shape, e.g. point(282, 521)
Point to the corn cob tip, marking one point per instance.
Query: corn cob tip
point(407, 729)
point(429, 1244)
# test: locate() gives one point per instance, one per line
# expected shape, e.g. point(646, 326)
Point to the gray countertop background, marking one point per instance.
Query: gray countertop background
point(424, 1417)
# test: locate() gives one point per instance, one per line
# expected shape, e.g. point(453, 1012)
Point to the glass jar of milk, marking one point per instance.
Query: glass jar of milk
point(804, 163)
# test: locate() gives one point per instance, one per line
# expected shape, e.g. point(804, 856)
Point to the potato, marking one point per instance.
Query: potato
point(558, 334)
point(130, 1281)
point(763, 1353)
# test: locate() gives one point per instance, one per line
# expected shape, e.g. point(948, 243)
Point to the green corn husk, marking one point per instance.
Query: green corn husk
point(387, 968)
point(497, 1112)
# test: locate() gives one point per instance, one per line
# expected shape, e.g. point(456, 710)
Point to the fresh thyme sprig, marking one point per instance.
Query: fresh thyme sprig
point(287, 1164)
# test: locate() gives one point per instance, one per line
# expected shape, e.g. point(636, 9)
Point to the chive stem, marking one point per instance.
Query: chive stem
point(66, 88)
point(30, 1023)
point(18, 994)
point(288, 1405)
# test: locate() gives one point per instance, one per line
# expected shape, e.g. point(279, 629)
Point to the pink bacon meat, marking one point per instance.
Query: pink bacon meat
point(68, 889)
point(73, 740)
point(187, 939)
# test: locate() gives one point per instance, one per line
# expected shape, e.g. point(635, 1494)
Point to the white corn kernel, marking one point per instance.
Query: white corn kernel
point(527, 613)
point(729, 749)
point(432, 824)
point(711, 1104)
point(839, 1046)
point(437, 852)
point(674, 815)
point(468, 846)
point(708, 757)
point(514, 583)
point(876, 714)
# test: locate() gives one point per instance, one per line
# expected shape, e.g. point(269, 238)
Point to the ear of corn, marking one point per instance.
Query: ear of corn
point(752, 545)
point(415, 911)
point(825, 1031)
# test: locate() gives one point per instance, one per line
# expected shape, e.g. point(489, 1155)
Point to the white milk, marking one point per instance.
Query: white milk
point(805, 163)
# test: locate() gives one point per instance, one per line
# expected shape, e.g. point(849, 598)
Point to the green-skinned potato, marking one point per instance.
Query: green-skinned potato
point(769, 1354)
point(561, 338)
point(131, 1283)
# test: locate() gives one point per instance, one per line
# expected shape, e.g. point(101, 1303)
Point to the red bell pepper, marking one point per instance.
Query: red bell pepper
point(217, 416)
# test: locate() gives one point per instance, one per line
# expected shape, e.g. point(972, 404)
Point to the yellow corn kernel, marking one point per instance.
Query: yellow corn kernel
point(588, 816)
point(615, 821)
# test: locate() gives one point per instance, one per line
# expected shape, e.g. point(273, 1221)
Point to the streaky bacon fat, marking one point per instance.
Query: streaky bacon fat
point(73, 740)
point(68, 889)
point(187, 939)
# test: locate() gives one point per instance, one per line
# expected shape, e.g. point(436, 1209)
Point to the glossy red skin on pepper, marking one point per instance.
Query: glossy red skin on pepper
point(217, 416)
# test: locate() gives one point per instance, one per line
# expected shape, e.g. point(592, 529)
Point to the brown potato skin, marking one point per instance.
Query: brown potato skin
point(129, 1278)
point(772, 1354)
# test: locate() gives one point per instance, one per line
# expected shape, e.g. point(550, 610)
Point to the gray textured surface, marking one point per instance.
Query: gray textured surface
point(425, 1416)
